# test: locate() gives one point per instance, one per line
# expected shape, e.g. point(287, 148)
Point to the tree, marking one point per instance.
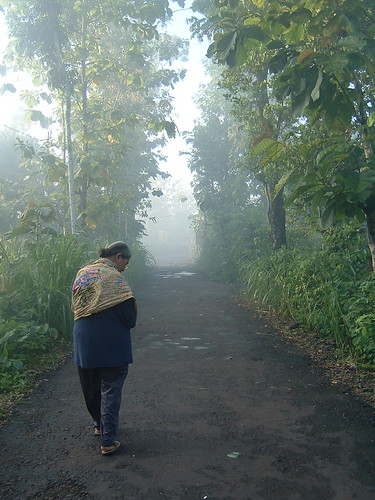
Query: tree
point(224, 192)
point(100, 63)
point(323, 56)
point(250, 91)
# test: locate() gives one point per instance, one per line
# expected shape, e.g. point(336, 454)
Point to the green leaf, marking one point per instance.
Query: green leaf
point(251, 31)
point(275, 45)
point(297, 193)
point(300, 102)
point(170, 128)
point(350, 180)
point(157, 193)
point(328, 216)
point(315, 94)
point(359, 215)
point(252, 20)
point(295, 33)
point(278, 62)
point(46, 97)
point(264, 145)
point(366, 179)
point(259, 3)
point(37, 116)
point(8, 87)
point(316, 199)
point(371, 119)
point(283, 182)
point(301, 15)
point(17, 364)
point(352, 42)
point(37, 81)
point(225, 44)
point(336, 62)
point(117, 115)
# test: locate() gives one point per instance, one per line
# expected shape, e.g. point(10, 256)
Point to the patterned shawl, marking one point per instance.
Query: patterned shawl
point(98, 286)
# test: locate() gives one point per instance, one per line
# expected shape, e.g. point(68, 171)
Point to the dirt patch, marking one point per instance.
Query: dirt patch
point(218, 405)
point(340, 368)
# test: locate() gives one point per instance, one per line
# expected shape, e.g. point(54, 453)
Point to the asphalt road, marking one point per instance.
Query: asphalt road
point(217, 405)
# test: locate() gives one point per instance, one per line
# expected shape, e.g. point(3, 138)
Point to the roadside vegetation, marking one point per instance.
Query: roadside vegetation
point(78, 165)
point(282, 157)
point(35, 307)
point(284, 166)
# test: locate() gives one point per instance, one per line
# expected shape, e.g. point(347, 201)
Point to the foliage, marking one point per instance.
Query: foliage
point(299, 77)
point(320, 58)
point(139, 264)
point(37, 278)
point(107, 70)
point(35, 314)
point(321, 290)
point(226, 197)
point(20, 342)
point(223, 238)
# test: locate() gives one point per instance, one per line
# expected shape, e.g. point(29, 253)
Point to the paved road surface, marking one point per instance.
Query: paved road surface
point(216, 406)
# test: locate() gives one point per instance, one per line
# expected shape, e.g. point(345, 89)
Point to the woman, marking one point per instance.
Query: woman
point(104, 312)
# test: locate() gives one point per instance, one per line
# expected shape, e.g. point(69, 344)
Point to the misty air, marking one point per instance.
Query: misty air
point(187, 249)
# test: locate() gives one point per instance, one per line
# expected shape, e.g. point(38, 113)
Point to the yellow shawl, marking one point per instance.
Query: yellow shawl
point(98, 286)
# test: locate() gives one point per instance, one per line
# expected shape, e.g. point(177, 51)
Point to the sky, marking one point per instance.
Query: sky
point(185, 110)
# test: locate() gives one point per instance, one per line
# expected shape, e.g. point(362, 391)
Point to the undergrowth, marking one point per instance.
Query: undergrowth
point(35, 308)
point(320, 291)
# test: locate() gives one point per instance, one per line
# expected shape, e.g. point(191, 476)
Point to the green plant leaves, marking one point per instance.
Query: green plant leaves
point(315, 93)
point(8, 87)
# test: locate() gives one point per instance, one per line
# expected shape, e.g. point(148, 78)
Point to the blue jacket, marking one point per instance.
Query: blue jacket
point(103, 339)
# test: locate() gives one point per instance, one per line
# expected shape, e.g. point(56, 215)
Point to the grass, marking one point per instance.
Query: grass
point(15, 386)
point(35, 315)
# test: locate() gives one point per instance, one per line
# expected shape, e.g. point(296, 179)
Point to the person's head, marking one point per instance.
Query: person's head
point(118, 252)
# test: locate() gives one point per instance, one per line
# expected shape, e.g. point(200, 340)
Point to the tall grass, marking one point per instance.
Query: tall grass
point(35, 308)
point(324, 292)
point(37, 281)
point(140, 262)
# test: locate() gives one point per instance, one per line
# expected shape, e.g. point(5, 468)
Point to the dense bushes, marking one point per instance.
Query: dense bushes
point(321, 281)
point(35, 306)
point(324, 291)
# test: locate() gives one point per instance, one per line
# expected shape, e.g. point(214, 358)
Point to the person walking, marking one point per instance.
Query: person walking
point(104, 312)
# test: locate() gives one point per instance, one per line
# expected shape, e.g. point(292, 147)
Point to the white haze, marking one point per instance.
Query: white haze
point(170, 237)
point(169, 234)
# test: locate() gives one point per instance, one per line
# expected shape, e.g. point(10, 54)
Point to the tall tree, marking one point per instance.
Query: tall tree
point(100, 62)
point(224, 191)
point(323, 56)
point(250, 91)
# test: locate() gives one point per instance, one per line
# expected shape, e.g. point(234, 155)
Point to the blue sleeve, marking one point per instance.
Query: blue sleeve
point(128, 313)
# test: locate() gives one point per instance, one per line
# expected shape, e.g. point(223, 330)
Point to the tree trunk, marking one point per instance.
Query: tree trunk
point(370, 225)
point(66, 87)
point(369, 152)
point(72, 203)
point(276, 218)
point(85, 180)
point(276, 210)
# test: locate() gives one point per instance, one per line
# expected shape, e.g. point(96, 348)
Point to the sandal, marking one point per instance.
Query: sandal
point(97, 432)
point(107, 450)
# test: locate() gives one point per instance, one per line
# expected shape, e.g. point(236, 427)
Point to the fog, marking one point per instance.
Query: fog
point(169, 233)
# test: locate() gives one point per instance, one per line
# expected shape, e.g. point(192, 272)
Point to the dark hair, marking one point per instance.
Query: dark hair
point(115, 248)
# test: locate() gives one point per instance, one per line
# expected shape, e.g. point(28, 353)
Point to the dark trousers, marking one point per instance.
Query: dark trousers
point(102, 388)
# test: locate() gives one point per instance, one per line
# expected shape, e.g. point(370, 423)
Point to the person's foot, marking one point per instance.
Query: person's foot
point(107, 450)
point(97, 432)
